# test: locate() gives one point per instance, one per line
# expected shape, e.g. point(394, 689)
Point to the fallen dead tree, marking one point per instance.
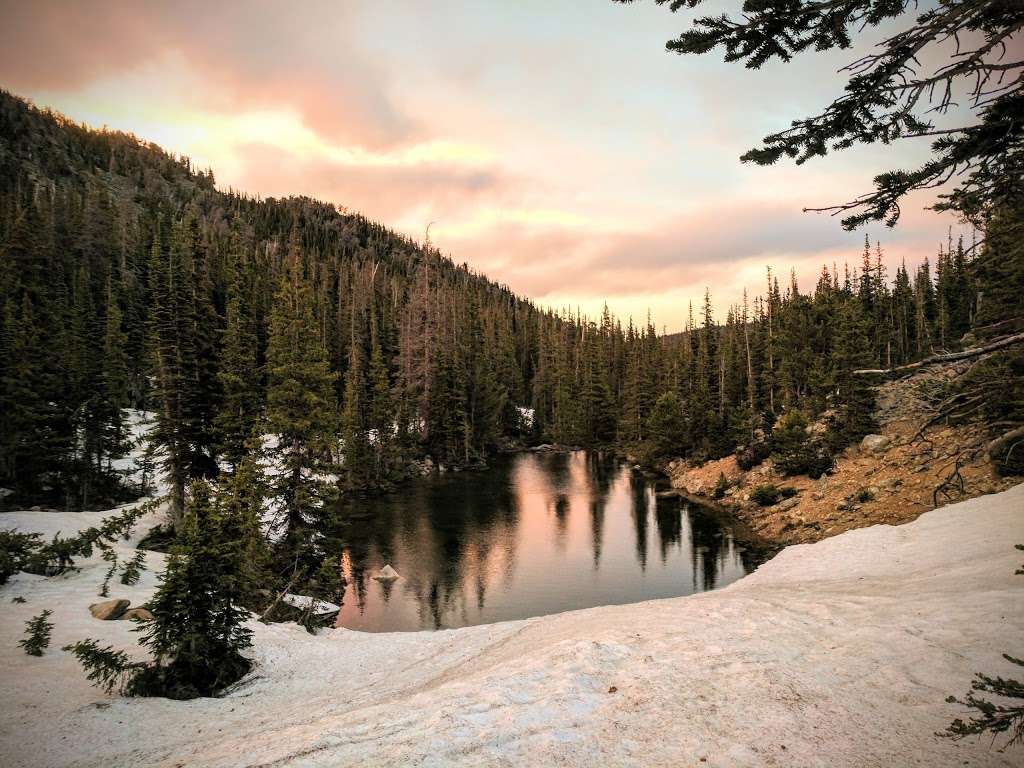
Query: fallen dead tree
point(947, 357)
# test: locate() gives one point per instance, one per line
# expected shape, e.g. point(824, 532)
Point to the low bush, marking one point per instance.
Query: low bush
point(864, 495)
point(765, 495)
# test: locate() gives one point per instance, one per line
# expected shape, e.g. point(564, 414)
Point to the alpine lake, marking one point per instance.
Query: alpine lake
point(536, 533)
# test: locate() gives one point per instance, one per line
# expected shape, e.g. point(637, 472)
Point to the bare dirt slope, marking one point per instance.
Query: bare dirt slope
point(900, 479)
point(839, 653)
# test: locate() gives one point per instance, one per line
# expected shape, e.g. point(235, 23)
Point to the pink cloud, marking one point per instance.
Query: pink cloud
point(251, 56)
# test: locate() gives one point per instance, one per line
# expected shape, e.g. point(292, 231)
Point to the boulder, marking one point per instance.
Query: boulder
point(387, 573)
point(136, 614)
point(875, 443)
point(109, 610)
point(788, 504)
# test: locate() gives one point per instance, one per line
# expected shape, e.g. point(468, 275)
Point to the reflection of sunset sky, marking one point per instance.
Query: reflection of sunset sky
point(547, 533)
point(557, 147)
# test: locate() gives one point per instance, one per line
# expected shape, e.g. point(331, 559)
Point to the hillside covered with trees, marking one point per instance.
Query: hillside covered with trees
point(129, 280)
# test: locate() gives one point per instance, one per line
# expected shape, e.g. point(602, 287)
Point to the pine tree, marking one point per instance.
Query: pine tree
point(239, 377)
point(198, 632)
point(382, 416)
point(115, 377)
point(357, 464)
point(300, 403)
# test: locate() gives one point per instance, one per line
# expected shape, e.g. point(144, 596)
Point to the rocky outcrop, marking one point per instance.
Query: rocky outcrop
point(889, 477)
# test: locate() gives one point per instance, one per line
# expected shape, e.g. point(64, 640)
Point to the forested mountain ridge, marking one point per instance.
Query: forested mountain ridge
point(128, 279)
point(119, 259)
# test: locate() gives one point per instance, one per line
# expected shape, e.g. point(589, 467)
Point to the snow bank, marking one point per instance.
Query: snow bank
point(839, 653)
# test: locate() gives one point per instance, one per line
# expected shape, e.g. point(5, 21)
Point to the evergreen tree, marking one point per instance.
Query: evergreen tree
point(666, 429)
point(239, 377)
point(197, 633)
point(300, 403)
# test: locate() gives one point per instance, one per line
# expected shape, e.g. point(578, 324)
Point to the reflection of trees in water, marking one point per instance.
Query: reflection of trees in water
point(710, 546)
point(639, 498)
point(448, 531)
point(557, 470)
point(602, 470)
point(668, 518)
point(561, 506)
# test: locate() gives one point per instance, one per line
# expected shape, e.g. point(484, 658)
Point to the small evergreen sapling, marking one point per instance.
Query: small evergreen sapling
point(198, 629)
point(132, 570)
point(37, 631)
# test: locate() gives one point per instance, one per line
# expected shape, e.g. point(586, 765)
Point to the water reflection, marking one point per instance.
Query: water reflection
point(536, 534)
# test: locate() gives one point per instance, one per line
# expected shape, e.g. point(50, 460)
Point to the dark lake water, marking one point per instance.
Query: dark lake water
point(535, 534)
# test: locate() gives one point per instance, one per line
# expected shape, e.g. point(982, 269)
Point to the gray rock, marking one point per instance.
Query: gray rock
point(875, 443)
point(109, 610)
point(788, 504)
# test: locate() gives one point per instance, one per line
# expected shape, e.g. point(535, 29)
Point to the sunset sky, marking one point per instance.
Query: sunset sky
point(557, 147)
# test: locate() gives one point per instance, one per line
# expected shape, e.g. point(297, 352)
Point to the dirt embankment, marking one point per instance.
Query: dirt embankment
point(892, 479)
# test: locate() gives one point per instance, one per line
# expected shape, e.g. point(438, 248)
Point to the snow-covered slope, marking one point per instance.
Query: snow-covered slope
point(839, 653)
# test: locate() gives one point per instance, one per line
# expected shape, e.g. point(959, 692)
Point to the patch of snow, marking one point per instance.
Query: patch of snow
point(526, 416)
point(839, 653)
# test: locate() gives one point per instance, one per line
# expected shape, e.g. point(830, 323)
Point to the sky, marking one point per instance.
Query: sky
point(556, 147)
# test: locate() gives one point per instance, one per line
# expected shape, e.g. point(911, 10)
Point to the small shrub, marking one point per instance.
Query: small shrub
point(752, 455)
point(864, 495)
point(37, 631)
point(765, 495)
point(720, 487)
